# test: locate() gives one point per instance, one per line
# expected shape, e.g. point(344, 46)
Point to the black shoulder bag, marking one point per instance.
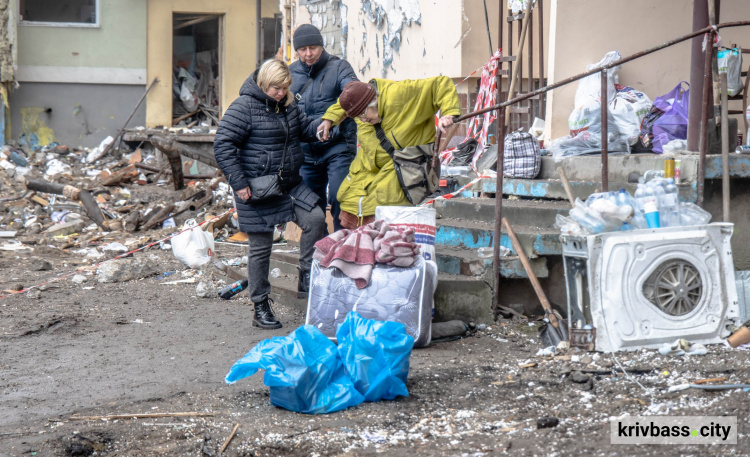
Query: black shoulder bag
point(265, 188)
point(418, 174)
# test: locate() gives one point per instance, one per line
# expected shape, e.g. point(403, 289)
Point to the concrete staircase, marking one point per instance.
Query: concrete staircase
point(466, 224)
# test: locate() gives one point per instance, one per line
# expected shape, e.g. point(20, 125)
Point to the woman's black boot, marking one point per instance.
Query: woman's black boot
point(264, 317)
point(303, 284)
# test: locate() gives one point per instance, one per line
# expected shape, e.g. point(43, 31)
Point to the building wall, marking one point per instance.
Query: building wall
point(583, 31)
point(114, 52)
point(79, 84)
point(239, 43)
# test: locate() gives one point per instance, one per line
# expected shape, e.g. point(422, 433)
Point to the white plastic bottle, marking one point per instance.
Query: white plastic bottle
point(672, 203)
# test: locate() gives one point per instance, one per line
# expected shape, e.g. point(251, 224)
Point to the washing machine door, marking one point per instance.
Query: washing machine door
point(656, 286)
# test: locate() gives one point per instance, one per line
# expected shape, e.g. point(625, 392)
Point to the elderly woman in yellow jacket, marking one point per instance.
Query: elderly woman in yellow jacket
point(405, 110)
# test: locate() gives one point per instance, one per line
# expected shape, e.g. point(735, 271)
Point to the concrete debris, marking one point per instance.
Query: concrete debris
point(207, 289)
point(79, 279)
point(40, 265)
point(66, 228)
point(128, 269)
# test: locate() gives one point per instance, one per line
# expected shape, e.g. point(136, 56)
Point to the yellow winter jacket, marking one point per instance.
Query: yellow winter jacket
point(407, 111)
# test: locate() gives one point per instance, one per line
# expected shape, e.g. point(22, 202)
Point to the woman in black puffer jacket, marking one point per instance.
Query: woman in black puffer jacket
point(251, 141)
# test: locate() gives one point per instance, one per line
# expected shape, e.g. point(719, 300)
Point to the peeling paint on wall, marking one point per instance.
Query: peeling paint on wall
point(35, 131)
point(395, 15)
point(7, 66)
point(329, 16)
point(365, 67)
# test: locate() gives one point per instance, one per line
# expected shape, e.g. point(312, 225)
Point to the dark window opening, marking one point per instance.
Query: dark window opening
point(63, 11)
point(196, 66)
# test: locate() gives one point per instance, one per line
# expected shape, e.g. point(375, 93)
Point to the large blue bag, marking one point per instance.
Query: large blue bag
point(376, 355)
point(308, 374)
point(303, 370)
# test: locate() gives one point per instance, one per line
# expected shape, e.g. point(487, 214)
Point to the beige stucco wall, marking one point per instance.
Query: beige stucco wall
point(238, 56)
point(583, 31)
point(119, 41)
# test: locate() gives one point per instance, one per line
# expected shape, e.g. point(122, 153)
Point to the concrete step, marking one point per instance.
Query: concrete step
point(553, 189)
point(536, 241)
point(450, 260)
point(519, 212)
point(466, 262)
point(284, 290)
point(468, 298)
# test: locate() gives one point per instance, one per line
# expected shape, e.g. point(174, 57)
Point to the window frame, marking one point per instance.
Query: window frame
point(85, 25)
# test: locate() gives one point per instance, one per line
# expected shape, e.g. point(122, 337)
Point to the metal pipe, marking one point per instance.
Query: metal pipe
point(542, 98)
point(724, 149)
point(530, 58)
point(695, 108)
point(498, 209)
point(605, 131)
point(258, 35)
point(598, 69)
point(707, 88)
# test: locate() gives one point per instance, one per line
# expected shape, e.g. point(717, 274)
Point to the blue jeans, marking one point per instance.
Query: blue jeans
point(326, 172)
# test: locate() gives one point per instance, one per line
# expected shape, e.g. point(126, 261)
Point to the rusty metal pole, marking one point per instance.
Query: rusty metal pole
point(258, 34)
point(605, 131)
point(498, 208)
point(707, 107)
point(542, 97)
point(695, 108)
point(500, 139)
point(724, 150)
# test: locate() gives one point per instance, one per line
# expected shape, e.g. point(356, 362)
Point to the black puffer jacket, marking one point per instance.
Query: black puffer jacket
point(249, 143)
point(330, 75)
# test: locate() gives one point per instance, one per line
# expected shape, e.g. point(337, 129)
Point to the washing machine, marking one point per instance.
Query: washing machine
point(643, 288)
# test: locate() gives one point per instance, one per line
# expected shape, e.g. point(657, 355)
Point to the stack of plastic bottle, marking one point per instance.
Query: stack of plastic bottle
point(656, 205)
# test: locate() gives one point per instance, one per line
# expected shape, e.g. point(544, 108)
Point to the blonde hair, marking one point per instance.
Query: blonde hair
point(274, 72)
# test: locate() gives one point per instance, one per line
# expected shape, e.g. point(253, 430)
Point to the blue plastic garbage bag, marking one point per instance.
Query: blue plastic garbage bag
point(303, 370)
point(376, 355)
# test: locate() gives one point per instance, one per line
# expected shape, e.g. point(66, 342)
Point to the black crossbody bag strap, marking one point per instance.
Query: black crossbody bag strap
point(384, 142)
point(286, 142)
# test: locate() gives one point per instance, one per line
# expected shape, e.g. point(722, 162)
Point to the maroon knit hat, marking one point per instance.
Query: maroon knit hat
point(355, 97)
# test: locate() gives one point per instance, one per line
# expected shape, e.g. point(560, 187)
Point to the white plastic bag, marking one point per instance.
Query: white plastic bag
point(628, 109)
point(194, 247)
point(730, 62)
point(590, 87)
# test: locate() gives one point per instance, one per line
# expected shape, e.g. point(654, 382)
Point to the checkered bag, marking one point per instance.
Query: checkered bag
point(522, 157)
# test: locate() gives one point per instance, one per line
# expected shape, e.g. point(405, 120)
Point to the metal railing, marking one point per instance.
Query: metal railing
point(707, 88)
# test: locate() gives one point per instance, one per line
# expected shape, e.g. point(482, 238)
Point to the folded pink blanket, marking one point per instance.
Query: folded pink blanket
point(355, 252)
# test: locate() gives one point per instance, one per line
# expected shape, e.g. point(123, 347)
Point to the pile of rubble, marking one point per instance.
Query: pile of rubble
point(85, 200)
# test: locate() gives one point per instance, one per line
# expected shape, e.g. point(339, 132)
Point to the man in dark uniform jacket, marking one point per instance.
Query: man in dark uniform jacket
point(318, 79)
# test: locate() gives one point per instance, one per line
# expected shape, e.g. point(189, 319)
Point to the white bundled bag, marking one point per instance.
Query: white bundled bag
point(628, 109)
point(193, 247)
point(730, 62)
point(420, 218)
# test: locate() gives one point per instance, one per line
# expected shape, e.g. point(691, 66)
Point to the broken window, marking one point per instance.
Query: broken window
point(195, 60)
point(60, 11)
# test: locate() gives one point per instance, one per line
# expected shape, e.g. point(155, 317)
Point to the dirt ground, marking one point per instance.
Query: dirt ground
point(148, 347)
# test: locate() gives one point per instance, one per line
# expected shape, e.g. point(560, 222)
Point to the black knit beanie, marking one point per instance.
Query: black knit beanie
point(307, 35)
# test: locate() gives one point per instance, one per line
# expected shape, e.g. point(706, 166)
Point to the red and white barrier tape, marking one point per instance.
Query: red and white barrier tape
point(119, 256)
point(486, 97)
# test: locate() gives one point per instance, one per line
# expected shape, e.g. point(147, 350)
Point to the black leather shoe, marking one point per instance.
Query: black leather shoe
point(303, 285)
point(264, 317)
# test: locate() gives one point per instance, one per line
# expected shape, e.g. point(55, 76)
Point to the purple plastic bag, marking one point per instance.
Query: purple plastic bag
point(672, 125)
